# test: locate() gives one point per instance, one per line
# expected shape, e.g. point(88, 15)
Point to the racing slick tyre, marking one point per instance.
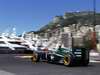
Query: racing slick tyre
point(85, 63)
point(67, 61)
point(85, 58)
point(48, 58)
point(35, 58)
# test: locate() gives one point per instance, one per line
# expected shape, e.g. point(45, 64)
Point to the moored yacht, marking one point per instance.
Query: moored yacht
point(10, 45)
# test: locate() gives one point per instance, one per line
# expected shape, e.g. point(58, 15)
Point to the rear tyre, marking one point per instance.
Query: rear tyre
point(85, 63)
point(67, 60)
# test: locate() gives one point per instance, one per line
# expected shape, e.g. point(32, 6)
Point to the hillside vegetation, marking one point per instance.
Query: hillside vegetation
point(69, 18)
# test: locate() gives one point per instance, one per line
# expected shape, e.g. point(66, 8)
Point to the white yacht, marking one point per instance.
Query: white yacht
point(11, 45)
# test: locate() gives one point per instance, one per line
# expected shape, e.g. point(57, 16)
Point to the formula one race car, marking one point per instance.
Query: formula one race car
point(70, 57)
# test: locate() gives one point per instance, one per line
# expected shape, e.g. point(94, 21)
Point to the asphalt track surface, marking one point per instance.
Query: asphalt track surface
point(12, 65)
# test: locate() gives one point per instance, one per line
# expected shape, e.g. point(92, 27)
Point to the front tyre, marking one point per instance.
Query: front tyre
point(35, 58)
